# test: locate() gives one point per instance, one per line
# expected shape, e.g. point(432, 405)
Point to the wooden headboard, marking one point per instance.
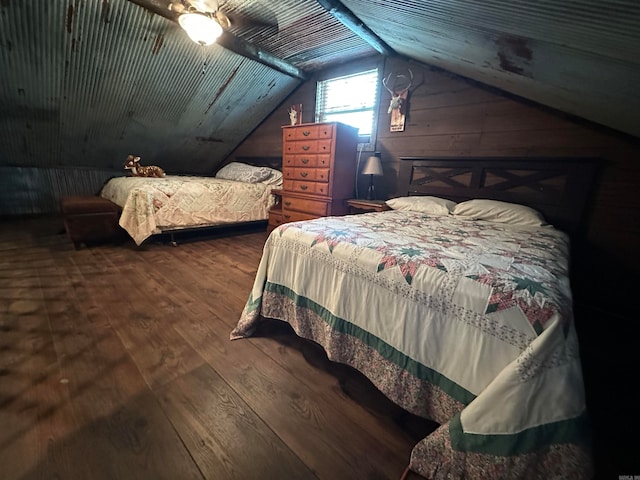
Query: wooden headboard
point(559, 188)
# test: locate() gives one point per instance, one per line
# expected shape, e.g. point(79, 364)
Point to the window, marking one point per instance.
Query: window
point(350, 99)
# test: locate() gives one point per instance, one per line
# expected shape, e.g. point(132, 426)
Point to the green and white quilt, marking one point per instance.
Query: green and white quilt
point(467, 323)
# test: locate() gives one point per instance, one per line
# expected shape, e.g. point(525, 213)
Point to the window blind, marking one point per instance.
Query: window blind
point(350, 99)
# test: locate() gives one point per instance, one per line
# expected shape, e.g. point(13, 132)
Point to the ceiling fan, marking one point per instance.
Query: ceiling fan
point(203, 20)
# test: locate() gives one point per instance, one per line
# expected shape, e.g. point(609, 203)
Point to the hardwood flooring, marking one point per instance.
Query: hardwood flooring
point(116, 363)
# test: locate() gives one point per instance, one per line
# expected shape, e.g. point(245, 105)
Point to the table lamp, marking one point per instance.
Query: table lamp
point(373, 167)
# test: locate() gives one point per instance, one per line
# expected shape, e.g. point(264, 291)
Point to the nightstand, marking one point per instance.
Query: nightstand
point(364, 206)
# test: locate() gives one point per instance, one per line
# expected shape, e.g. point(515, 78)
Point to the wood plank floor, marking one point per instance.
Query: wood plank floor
point(115, 363)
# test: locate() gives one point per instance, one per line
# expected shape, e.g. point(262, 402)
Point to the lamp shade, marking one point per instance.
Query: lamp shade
point(200, 28)
point(373, 165)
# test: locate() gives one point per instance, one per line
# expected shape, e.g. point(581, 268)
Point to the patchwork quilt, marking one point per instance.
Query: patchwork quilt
point(150, 205)
point(467, 323)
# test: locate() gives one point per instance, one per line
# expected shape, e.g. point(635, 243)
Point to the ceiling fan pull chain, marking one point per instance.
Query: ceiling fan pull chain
point(204, 59)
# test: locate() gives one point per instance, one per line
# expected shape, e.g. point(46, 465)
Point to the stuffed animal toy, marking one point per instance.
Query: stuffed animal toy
point(137, 170)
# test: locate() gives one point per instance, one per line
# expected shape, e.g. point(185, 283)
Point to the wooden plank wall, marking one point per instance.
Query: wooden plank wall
point(452, 116)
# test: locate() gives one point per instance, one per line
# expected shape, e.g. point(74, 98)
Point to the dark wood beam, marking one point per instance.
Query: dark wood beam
point(246, 49)
point(353, 23)
point(229, 41)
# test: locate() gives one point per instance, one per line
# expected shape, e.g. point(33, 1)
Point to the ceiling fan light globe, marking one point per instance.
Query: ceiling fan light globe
point(200, 28)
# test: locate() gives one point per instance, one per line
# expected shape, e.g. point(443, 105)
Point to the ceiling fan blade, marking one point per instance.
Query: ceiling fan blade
point(177, 7)
point(207, 6)
point(223, 19)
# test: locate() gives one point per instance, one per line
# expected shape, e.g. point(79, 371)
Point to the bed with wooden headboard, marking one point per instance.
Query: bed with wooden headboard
point(462, 319)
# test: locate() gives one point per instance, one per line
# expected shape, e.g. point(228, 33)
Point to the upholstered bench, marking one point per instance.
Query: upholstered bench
point(89, 219)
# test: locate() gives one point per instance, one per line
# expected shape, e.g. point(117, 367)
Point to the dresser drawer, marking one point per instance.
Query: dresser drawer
point(310, 146)
point(306, 132)
point(309, 188)
point(311, 161)
point(275, 216)
point(311, 132)
point(290, 216)
point(288, 134)
point(322, 189)
point(326, 131)
point(324, 146)
point(323, 161)
point(304, 205)
point(306, 160)
point(288, 161)
point(297, 186)
point(307, 174)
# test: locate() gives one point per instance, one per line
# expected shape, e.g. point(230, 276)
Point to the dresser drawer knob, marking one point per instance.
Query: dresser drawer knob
point(303, 187)
point(304, 174)
point(306, 147)
point(306, 133)
point(288, 204)
point(287, 217)
point(305, 160)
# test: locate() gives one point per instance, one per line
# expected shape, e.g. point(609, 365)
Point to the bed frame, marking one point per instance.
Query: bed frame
point(258, 161)
point(559, 188)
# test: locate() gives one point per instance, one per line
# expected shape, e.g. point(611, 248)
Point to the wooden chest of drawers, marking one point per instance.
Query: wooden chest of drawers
point(319, 168)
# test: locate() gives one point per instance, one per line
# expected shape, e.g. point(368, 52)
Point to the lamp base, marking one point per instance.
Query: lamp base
point(371, 193)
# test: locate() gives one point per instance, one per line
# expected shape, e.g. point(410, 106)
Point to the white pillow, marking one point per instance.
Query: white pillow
point(241, 172)
point(422, 204)
point(499, 212)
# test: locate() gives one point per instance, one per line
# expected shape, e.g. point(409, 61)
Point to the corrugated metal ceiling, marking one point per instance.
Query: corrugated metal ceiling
point(579, 56)
point(87, 82)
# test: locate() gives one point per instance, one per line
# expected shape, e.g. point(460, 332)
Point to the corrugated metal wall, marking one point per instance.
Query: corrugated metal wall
point(32, 191)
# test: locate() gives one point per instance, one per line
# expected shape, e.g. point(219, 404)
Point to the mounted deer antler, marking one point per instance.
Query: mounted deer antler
point(398, 97)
